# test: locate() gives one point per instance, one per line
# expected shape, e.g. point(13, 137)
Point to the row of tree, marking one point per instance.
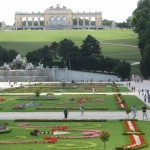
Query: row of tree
point(7, 55)
point(141, 24)
point(87, 57)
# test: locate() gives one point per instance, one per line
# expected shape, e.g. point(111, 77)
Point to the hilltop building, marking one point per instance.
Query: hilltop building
point(58, 18)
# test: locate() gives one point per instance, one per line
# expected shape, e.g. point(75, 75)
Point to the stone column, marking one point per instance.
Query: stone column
point(55, 21)
point(61, 21)
point(78, 22)
point(38, 22)
point(20, 22)
point(27, 22)
point(98, 20)
point(83, 22)
point(89, 21)
point(32, 22)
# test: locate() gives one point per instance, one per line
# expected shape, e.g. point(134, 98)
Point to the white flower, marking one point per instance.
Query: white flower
point(130, 126)
point(60, 133)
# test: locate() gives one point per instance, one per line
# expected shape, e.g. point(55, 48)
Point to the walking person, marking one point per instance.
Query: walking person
point(142, 92)
point(94, 90)
point(144, 109)
point(139, 91)
point(82, 110)
point(65, 113)
point(134, 111)
point(145, 98)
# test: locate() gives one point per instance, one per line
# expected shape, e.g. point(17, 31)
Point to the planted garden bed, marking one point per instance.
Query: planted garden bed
point(37, 98)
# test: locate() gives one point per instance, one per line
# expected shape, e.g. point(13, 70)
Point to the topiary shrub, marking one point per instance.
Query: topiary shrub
point(37, 92)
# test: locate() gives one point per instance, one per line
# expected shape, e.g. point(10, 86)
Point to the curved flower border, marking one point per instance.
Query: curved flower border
point(136, 138)
point(120, 101)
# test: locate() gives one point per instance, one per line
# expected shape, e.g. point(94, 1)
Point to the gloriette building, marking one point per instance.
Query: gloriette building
point(58, 18)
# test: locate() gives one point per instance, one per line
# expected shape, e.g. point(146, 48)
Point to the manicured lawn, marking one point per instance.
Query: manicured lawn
point(57, 35)
point(93, 102)
point(25, 41)
point(115, 129)
point(120, 52)
point(29, 40)
point(69, 87)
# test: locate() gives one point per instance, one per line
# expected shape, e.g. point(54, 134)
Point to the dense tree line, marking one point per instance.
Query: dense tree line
point(141, 24)
point(87, 57)
point(7, 55)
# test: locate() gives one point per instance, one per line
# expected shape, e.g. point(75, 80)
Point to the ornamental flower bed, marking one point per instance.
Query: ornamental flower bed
point(137, 140)
point(130, 126)
point(81, 100)
point(59, 128)
point(114, 87)
point(120, 101)
point(60, 120)
point(2, 99)
point(60, 131)
point(50, 139)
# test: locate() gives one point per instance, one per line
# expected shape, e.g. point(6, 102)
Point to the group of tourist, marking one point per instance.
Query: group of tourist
point(66, 112)
point(134, 111)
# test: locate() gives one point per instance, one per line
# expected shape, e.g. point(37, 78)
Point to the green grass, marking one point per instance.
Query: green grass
point(29, 40)
point(121, 52)
point(56, 35)
point(115, 129)
point(108, 102)
point(98, 102)
point(69, 87)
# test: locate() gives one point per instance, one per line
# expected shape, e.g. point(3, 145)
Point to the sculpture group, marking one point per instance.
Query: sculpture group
point(20, 63)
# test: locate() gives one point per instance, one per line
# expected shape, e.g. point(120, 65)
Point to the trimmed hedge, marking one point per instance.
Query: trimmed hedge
point(7, 130)
point(70, 108)
point(37, 98)
point(60, 120)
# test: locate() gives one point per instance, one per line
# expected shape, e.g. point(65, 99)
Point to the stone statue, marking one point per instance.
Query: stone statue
point(40, 66)
point(29, 66)
point(20, 63)
point(18, 57)
point(5, 67)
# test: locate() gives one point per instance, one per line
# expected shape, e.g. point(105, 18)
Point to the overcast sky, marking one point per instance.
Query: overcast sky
point(117, 10)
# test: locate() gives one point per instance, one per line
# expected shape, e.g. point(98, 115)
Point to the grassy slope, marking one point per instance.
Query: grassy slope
point(29, 40)
point(24, 41)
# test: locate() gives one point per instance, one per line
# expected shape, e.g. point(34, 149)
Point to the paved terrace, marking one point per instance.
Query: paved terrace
point(110, 115)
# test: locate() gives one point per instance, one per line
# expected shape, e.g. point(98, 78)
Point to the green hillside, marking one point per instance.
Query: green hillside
point(121, 44)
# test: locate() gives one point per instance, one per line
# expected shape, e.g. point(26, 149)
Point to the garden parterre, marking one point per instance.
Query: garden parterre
point(67, 139)
point(72, 135)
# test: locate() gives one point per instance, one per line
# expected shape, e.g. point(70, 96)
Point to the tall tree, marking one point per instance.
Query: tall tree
point(67, 50)
point(141, 24)
point(90, 53)
point(90, 46)
point(54, 50)
point(12, 54)
point(123, 70)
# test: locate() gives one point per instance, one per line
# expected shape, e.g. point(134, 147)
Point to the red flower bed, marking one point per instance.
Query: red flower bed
point(136, 137)
point(50, 139)
point(2, 99)
point(121, 102)
point(59, 128)
point(81, 100)
point(137, 141)
point(133, 124)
